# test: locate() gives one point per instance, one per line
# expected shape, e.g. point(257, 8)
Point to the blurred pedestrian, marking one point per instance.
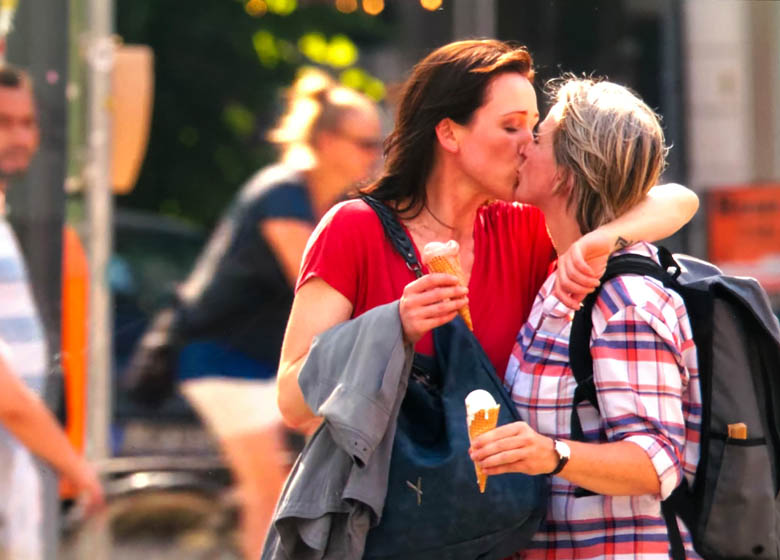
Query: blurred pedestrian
point(23, 354)
point(232, 310)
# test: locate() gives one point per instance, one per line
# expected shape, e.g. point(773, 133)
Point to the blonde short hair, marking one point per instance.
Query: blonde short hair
point(611, 148)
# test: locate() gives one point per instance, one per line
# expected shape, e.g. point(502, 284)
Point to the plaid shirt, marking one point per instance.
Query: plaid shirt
point(646, 376)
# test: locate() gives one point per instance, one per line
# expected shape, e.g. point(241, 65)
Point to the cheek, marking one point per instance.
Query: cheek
point(360, 163)
point(507, 146)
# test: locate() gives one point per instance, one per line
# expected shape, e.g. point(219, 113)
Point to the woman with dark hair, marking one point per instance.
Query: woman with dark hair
point(451, 172)
point(598, 152)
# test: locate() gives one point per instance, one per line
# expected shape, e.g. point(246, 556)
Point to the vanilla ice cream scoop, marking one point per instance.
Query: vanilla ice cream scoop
point(445, 257)
point(437, 249)
point(482, 416)
point(476, 401)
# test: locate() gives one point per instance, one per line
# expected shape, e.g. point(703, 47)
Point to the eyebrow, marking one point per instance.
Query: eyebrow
point(519, 112)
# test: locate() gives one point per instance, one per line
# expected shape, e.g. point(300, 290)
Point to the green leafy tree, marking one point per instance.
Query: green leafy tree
point(220, 70)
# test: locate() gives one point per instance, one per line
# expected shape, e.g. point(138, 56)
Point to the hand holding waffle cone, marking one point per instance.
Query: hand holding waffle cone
point(445, 257)
point(481, 417)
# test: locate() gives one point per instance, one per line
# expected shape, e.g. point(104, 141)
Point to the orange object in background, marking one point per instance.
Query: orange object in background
point(744, 223)
point(744, 232)
point(75, 291)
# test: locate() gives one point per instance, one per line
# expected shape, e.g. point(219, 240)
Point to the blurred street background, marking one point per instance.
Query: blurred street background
point(154, 112)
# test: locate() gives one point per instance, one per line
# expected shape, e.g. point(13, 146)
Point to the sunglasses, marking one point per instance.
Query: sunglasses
point(363, 143)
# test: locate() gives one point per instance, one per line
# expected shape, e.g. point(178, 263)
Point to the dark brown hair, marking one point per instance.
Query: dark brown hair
point(448, 83)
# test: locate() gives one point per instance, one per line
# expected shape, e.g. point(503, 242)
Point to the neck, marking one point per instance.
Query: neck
point(325, 187)
point(563, 227)
point(3, 188)
point(450, 207)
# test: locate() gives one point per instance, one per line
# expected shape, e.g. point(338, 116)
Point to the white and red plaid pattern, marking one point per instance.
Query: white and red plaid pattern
point(646, 376)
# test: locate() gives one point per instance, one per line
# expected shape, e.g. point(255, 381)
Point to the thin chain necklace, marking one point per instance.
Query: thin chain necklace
point(436, 218)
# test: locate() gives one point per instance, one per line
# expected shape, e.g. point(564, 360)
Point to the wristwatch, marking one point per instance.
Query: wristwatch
point(562, 450)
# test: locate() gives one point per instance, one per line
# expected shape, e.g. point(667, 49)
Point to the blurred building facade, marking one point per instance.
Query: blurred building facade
point(710, 67)
point(732, 117)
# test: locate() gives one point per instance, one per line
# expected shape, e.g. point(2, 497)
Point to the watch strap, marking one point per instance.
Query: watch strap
point(562, 459)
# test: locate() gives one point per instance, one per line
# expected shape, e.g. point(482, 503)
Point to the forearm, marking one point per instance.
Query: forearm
point(664, 210)
point(316, 308)
point(34, 425)
point(295, 412)
point(614, 469)
point(619, 468)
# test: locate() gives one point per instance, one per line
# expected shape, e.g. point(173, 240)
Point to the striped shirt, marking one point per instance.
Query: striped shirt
point(23, 347)
point(646, 377)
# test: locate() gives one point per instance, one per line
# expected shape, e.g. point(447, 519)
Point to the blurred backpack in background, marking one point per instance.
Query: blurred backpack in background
point(150, 376)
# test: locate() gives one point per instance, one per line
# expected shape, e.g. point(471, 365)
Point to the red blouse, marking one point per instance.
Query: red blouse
point(512, 257)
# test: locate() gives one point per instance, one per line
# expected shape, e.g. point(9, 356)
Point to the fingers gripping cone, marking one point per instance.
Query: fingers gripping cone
point(444, 257)
point(482, 416)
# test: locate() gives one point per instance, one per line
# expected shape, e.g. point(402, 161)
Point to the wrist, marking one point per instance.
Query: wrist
point(562, 453)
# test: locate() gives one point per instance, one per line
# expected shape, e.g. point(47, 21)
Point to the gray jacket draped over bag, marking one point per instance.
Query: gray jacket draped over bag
point(355, 377)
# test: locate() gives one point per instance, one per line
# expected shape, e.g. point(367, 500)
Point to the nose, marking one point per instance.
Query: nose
point(524, 139)
point(523, 143)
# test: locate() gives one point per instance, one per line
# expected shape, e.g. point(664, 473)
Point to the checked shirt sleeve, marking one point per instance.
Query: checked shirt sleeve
point(639, 378)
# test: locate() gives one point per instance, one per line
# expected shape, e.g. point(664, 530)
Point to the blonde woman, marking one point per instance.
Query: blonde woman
point(234, 306)
point(596, 155)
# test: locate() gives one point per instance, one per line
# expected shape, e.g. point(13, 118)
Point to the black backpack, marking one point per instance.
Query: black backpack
point(731, 509)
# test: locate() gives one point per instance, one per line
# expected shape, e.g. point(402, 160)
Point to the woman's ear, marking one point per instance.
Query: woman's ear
point(447, 134)
point(564, 183)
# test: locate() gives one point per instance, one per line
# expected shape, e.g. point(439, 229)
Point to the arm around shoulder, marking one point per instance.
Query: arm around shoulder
point(664, 211)
point(316, 308)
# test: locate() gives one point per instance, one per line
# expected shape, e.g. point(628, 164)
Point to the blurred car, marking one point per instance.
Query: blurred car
point(152, 254)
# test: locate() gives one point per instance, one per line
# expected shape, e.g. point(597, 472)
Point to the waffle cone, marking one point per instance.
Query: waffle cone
point(451, 265)
point(483, 421)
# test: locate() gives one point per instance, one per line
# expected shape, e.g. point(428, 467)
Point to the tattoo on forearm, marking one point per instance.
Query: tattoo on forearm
point(622, 243)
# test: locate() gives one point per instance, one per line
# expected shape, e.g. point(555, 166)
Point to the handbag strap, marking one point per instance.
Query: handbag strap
point(395, 233)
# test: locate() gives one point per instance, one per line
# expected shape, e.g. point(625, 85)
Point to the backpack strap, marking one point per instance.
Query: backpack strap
point(676, 547)
point(395, 233)
point(580, 358)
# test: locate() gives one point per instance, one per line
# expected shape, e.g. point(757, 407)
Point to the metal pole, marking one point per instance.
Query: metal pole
point(96, 540)
point(100, 60)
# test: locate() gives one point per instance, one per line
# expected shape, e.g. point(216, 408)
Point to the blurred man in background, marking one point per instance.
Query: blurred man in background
point(24, 418)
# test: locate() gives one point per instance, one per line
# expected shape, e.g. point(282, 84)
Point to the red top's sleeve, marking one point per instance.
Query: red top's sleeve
point(334, 253)
point(350, 252)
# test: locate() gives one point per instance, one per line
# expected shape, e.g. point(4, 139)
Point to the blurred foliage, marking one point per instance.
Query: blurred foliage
point(221, 67)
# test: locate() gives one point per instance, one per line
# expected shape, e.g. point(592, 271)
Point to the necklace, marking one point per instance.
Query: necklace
point(436, 218)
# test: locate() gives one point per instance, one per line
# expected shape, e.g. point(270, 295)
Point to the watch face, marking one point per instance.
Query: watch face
point(562, 449)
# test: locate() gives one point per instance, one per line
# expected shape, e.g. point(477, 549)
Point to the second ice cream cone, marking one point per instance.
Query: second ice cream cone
point(483, 421)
